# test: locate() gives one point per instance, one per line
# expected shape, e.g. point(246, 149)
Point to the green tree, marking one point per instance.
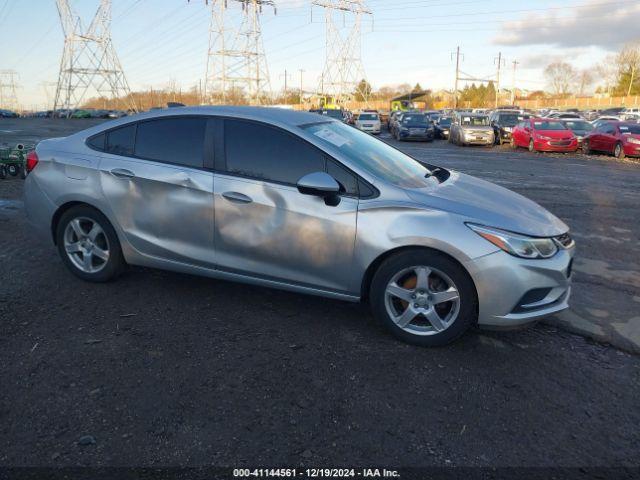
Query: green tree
point(363, 91)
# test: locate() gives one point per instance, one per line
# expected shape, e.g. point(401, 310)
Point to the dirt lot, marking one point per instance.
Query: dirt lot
point(161, 369)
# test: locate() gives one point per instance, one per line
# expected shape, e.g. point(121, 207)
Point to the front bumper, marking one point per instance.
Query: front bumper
point(632, 150)
point(513, 291)
point(476, 140)
point(373, 129)
point(425, 135)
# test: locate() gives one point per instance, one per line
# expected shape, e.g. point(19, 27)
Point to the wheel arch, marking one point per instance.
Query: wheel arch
point(375, 264)
point(57, 215)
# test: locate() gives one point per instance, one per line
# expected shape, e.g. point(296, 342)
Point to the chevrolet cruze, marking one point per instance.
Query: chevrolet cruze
point(304, 203)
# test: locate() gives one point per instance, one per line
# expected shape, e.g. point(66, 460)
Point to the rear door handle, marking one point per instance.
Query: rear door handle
point(122, 173)
point(237, 197)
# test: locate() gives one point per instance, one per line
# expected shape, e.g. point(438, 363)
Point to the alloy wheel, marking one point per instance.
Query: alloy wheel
point(86, 245)
point(422, 300)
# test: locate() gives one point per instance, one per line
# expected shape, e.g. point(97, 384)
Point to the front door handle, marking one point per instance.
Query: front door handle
point(122, 173)
point(237, 197)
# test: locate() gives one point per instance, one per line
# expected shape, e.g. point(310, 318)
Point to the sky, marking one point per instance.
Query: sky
point(403, 41)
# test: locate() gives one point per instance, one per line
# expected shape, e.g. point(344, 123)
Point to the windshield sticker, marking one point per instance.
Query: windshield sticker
point(331, 137)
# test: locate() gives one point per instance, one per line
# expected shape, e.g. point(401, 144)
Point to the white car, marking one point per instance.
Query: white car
point(632, 114)
point(368, 122)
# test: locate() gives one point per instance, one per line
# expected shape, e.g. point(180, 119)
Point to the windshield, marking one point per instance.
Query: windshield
point(372, 155)
point(475, 121)
point(630, 129)
point(419, 120)
point(578, 125)
point(368, 116)
point(445, 122)
point(548, 126)
point(509, 120)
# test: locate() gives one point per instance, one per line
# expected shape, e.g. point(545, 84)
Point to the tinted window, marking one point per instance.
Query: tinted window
point(97, 141)
point(346, 179)
point(173, 140)
point(264, 152)
point(120, 141)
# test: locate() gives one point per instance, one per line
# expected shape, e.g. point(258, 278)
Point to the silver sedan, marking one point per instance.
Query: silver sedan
point(290, 200)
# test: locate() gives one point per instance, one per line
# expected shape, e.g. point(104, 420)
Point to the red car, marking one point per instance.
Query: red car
point(618, 138)
point(544, 135)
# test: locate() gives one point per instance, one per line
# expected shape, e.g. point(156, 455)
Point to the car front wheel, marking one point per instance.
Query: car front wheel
point(585, 147)
point(88, 244)
point(424, 298)
point(532, 147)
point(618, 151)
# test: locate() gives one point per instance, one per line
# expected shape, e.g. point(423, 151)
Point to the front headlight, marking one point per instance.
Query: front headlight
point(633, 140)
point(542, 137)
point(517, 245)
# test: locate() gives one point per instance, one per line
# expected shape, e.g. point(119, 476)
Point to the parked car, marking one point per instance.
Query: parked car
point(393, 119)
point(414, 126)
point(442, 127)
point(280, 198)
point(579, 127)
point(471, 129)
point(605, 119)
point(566, 115)
point(82, 113)
point(8, 114)
point(631, 113)
point(503, 122)
point(368, 122)
point(330, 112)
point(617, 138)
point(544, 135)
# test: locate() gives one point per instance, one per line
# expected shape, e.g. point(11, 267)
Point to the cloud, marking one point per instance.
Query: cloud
point(606, 25)
point(541, 60)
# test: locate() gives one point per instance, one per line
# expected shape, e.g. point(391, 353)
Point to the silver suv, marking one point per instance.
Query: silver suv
point(300, 202)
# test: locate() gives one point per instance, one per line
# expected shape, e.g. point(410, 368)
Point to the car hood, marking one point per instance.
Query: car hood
point(556, 134)
point(488, 204)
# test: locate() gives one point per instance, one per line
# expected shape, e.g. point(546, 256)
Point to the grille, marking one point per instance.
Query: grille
point(561, 143)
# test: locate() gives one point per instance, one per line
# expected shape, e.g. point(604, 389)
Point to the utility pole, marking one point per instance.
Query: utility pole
point(633, 74)
point(455, 91)
point(513, 83)
point(236, 60)
point(89, 61)
point(498, 77)
point(8, 89)
point(301, 72)
point(343, 69)
point(286, 77)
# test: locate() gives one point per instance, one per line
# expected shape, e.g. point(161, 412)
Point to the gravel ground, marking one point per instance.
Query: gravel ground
point(162, 369)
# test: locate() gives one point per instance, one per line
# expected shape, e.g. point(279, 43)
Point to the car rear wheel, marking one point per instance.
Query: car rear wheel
point(586, 149)
point(88, 245)
point(618, 151)
point(424, 298)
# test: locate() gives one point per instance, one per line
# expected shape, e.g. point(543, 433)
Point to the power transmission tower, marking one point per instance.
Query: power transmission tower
point(499, 61)
point(343, 70)
point(89, 61)
point(513, 82)
point(236, 62)
point(8, 89)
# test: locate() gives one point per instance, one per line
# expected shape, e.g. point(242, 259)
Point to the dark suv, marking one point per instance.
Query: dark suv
point(503, 122)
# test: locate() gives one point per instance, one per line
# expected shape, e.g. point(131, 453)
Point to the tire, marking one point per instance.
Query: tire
point(106, 241)
point(3, 172)
point(512, 144)
point(13, 170)
point(23, 172)
point(455, 316)
point(618, 151)
point(532, 147)
point(585, 147)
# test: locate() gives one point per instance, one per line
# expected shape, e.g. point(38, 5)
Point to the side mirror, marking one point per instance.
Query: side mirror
point(320, 184)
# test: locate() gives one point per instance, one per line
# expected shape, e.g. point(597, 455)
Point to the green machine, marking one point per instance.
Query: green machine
point(13, 160)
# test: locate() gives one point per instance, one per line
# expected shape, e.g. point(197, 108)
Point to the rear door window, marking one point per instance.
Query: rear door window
point(120, 141)
point(178, 140)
